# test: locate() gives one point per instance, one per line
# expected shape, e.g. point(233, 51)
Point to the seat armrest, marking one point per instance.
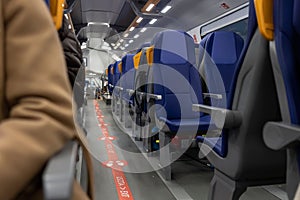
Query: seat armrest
point(58, 176)
point(222, 118)
point(140, 95)
point(211, 95)
point(119, 88)
point(153, 96)
point(280, 135)
point(130, 92)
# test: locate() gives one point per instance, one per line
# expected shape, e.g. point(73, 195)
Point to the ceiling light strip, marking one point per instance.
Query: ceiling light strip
point(148, 5)
point(166, 9)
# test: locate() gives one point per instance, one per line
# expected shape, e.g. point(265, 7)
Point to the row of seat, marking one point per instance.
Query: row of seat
point(164, 92)
point(279, 22)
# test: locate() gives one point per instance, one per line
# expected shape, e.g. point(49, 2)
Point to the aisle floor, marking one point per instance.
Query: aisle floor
point(190, 178)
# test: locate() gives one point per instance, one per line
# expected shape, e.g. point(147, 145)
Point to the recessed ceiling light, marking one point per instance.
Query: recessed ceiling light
point(166, 9)
point(136, 36)
point(126, 45)
point(150, 7)
point(130, 41)
point(132, 28)
point(139, 20)
point(152, 21)
point(143, 30)
point(121, 40)
point(126, 35)
point(99, 23)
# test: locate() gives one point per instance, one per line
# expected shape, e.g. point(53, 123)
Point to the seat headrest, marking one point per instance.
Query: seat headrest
point(225, 47)
point(120, 67)
point(264, 13)
point(56, 8)
point(136, 60)
point(171, 52)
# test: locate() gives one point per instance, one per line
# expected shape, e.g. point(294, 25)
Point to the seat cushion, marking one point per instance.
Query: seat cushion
point(201, 124)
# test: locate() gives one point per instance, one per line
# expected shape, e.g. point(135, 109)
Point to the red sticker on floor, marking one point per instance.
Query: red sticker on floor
point(111, 138)
point(116, 165)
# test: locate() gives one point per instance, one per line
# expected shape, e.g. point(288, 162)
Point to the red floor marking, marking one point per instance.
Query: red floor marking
point(122, 187)
point(115, 164)
point(111, 138)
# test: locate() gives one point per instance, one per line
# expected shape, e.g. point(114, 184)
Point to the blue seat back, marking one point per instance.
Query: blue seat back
point(224, 49)
point(220, 52)
point(110, 78)
point(287, 34)
point(175, 76)
point(252, 26)
point(116, 73)
point(221, 147)
point(286, 18)
point(127, 76)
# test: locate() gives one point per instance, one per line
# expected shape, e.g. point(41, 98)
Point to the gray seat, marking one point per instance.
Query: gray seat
point(58, 176)
point(139, 97)
point(284, 48)
point(248, 162)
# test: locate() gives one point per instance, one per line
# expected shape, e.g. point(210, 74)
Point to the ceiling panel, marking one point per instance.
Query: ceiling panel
point(188, 14)
point(184, 15)
point(99, 11)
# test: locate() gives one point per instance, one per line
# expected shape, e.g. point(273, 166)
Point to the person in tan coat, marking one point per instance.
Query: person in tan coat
point(36, 117)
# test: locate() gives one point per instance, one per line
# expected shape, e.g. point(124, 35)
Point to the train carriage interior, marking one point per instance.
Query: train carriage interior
point(193, 99)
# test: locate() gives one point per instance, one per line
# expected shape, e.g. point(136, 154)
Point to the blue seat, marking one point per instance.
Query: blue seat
point(127, 83)
point(116, 88)
point(110, 79)
point(175, 76)
point(285, 51)
point(116, 76)
point(140, 86)
point(140, 75)
point(253, 102)
point(174, 85)
point(224, 48)
point(127, 77)
point(218, 65)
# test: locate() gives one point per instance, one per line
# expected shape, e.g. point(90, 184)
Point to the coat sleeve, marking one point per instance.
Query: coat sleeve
point(40, 119)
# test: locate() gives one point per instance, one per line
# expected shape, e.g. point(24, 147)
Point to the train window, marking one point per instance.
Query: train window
point(235, 20)
point(239, 27)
